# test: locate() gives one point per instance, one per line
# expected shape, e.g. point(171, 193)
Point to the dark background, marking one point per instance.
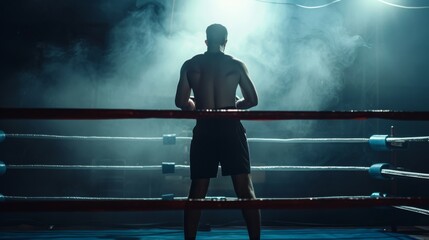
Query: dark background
point(42, 44)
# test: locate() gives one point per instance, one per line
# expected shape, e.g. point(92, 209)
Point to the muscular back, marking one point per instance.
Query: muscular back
point(214, 79)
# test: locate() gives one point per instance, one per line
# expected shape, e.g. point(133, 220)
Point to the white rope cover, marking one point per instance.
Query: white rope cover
point(159, 167)
point(258, 140)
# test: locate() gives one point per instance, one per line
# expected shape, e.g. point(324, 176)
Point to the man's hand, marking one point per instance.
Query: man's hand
point(190, 106)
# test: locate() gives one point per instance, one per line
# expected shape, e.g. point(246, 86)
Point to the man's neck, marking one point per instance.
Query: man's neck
point(216, 49)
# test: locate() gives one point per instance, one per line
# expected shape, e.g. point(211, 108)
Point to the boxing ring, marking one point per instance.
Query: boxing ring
point(170, 202)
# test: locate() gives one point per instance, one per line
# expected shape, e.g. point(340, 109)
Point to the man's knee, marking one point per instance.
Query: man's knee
point(246, 192)
point(243, 186)
point(199, 188)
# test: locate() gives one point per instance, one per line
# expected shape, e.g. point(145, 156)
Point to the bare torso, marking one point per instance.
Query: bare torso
point(214, 78)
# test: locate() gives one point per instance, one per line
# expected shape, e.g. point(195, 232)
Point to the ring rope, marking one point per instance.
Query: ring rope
point(150, 205)
point(98, 114)
point(309, 140)
point(408, 139)
point(65, 137)
point(79, 198)
point(309, 168)
point(256, 140)
point(389, 172)
point(413, 209)
point(84, 167)
point(159, 167)
point(400, 173)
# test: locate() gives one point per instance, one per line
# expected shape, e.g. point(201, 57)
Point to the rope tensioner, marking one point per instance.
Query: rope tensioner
point(98, 114)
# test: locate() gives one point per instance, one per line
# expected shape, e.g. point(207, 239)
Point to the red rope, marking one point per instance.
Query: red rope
point(87, 114)
point(151, 205)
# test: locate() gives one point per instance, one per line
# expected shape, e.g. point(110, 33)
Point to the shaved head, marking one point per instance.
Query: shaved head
point(216, 34)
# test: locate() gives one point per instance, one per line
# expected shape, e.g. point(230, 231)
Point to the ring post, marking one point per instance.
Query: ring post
point(378, 142)
point(375, 171)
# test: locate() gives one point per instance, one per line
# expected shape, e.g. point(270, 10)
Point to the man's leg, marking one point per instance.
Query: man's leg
point(243, 187)
point(198, 190)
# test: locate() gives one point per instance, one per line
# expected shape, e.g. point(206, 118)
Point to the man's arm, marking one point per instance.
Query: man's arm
point(250, 97)
point(184, 90)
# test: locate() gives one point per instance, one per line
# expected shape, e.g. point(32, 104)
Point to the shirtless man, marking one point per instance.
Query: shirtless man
point(214, 78)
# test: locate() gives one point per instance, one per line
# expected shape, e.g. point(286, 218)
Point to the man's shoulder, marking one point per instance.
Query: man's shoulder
point(192, 60)
point(234, 59)
point(196, 57)
point(200, 57)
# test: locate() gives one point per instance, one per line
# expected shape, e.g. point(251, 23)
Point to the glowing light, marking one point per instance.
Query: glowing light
point(230, 11)
point(235, 14)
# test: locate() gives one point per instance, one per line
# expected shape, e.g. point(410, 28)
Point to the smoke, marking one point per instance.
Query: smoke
point(300, 58)
point(128, 75)
point(296, 58)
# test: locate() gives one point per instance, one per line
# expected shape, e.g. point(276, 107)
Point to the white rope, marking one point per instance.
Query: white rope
point(309, 168)
point(83, 167)
point(253, 140)
point(179, 167)
point(63, 137)
point(159, 167)
point(309, 140)
point(413, 209)
point(408, 139)
point(400, 173)
point(258, 140)
point(77, 198)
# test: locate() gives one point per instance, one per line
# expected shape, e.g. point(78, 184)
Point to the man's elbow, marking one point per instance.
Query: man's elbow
point(186, 105)
point(247, 103)
point(180, 104)
point(253, 101)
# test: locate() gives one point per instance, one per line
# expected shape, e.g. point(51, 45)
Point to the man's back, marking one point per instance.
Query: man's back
point(214, 78)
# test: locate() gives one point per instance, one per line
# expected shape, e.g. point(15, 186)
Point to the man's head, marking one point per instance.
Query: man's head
point(217, 35)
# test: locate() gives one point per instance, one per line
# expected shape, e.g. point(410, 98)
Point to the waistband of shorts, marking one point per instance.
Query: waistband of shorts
point(222, 108)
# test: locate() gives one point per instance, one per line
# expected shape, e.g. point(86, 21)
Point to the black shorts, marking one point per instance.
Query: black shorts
point(217, 141)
